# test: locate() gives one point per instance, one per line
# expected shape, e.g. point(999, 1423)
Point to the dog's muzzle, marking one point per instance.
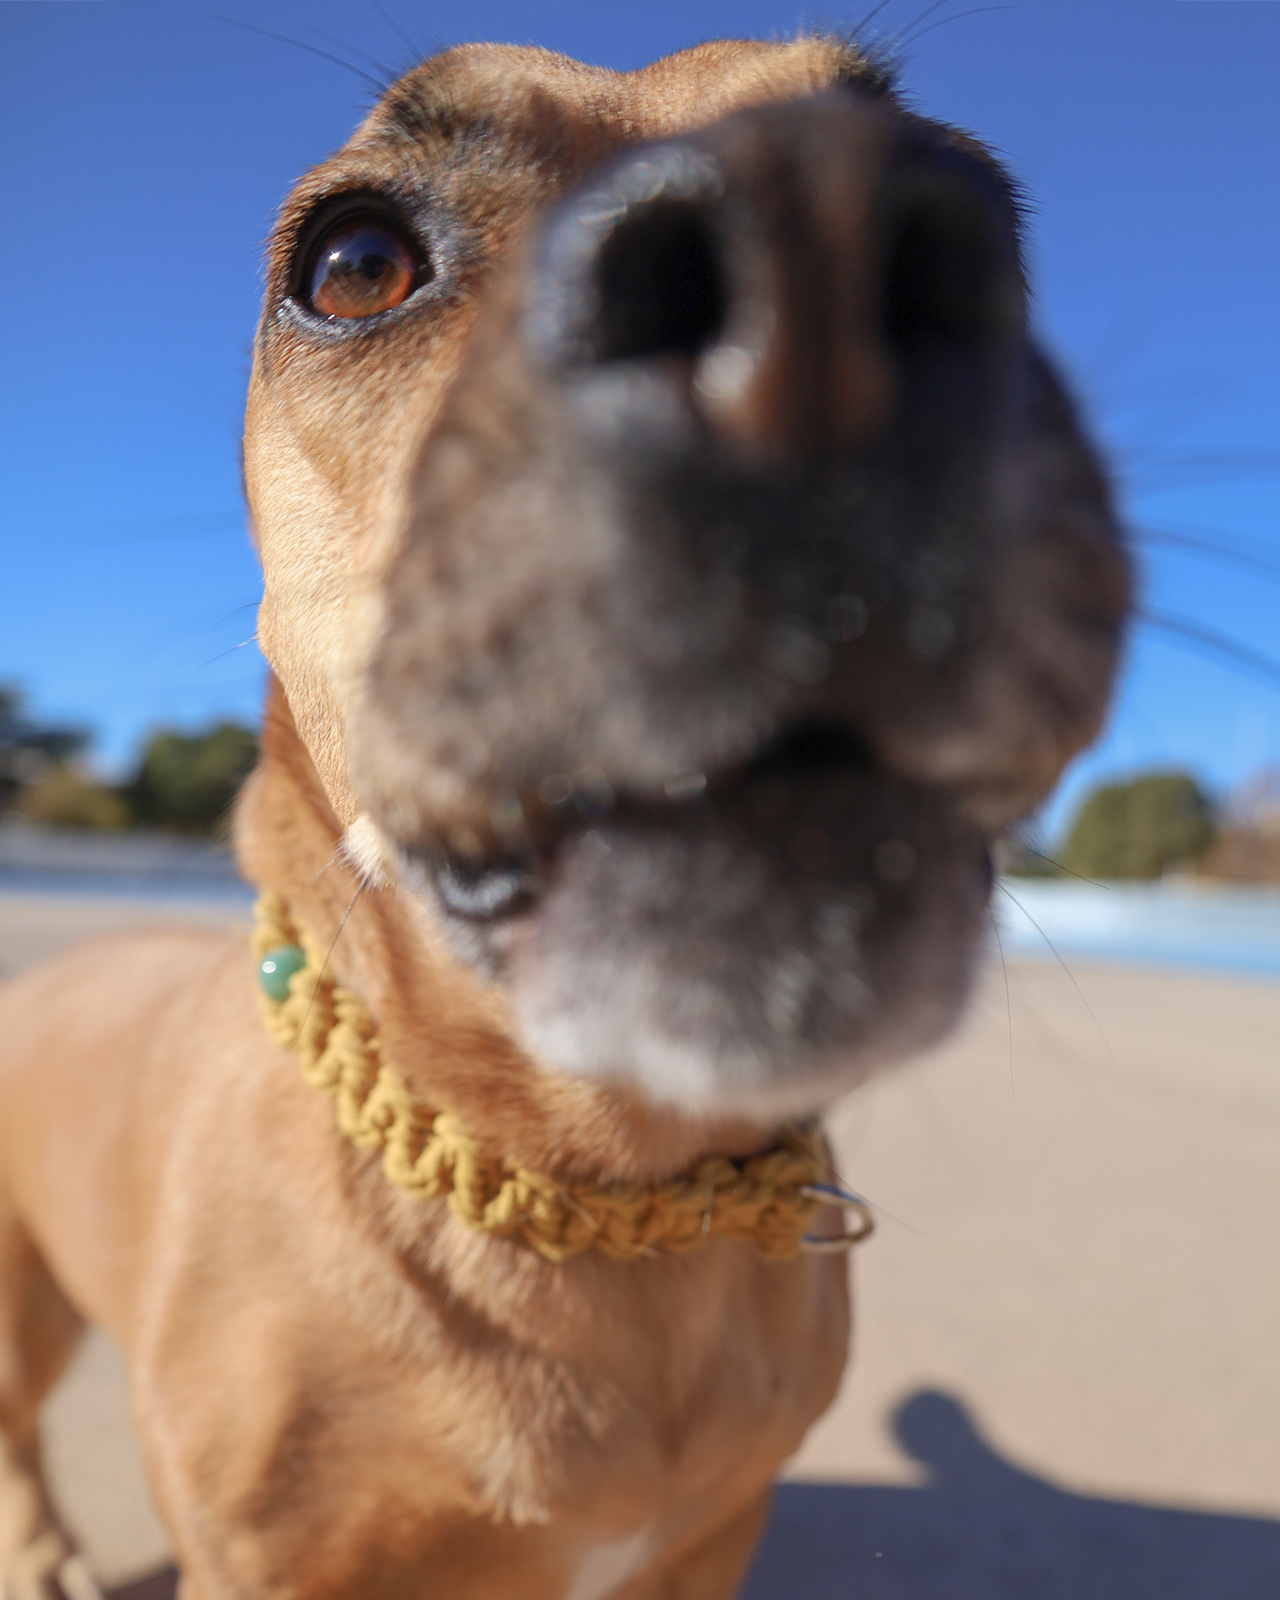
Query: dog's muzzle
point(755, 575)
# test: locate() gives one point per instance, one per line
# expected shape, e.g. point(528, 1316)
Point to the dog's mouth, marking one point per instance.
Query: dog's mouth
point(755, 939)
point(562, 813)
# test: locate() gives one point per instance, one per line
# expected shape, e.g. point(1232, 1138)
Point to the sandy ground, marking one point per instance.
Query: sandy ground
point(1065, 1384)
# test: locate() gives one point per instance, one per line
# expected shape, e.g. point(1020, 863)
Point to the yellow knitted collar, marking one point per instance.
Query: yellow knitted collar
point(767, 1198)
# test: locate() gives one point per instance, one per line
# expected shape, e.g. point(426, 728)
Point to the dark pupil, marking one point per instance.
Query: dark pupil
point(367, 254)
point(357, 265)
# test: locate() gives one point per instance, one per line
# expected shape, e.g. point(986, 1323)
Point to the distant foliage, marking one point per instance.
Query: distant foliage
point(30, 750)
point(67, 798)
point(1138, 829)
point(183, 782)
point(187, 782)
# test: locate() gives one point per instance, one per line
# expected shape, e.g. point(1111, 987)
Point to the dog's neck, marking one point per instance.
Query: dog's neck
point(449, 1034)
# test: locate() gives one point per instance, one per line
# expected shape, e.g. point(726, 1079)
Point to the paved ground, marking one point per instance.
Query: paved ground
point(1065, 1385)
point(35, 926)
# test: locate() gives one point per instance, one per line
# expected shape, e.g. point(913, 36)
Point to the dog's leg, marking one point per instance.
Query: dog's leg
point(39, 1332)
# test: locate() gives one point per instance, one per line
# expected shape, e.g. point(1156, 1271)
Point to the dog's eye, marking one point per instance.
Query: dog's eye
point(362, 266)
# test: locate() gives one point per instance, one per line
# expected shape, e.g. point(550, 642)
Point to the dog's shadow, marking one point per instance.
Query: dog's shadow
point(979, 1529)
point(162, 1585)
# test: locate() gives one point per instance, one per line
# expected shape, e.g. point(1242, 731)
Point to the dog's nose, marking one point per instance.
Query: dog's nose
point(795, 269)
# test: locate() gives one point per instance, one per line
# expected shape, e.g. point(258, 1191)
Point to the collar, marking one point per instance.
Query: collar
point(767, 1199)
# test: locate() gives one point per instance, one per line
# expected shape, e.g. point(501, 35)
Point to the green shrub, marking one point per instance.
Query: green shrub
point(66, 798)
point(1137, 829)
point(30, 750)
point(186, 782)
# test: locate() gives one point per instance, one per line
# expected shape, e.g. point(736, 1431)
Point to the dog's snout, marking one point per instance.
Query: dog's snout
point(785, 271)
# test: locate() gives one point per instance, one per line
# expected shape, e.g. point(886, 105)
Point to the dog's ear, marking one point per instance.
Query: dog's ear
point(283, 805)
point(282, 747)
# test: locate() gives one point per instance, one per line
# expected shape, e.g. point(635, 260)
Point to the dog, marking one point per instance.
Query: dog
point(681, 564)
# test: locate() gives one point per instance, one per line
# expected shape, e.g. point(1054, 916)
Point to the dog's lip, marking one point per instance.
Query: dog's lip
point(483, 891)
point(500, 885)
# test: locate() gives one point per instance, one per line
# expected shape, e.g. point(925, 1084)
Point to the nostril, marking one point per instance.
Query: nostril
point(659, 284)
point(949, 278)
point(810, 746)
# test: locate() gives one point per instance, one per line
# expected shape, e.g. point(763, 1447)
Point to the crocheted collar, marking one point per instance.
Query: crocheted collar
point(768, 1198)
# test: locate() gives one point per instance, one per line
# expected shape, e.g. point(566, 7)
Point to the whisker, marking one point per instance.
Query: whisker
point(1008, 1002)
point(324, 965)
point(336, 856)
point(1211, 550)
point(252, 639)
point(1058, 958)
point(1206, 467)
point(388, 76)
point(301, 44)
point(943, 22)
point(419, 54)
point(834, 1174)
point(1079, 876)
point(896, 41)
point(1209, 642)
point(249, 605)
point(865, 22)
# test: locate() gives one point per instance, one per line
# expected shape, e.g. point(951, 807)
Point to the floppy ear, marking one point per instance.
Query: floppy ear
point(284, 821)
point(304, 540)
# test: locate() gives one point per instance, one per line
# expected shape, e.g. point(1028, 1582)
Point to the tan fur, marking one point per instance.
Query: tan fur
point(340, 1391)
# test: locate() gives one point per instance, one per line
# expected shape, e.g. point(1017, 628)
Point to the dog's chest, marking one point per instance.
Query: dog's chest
point(605, 1567)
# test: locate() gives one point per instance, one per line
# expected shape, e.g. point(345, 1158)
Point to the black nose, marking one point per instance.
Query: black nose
point(659, 285)
point(790, 267)
point(635, 265)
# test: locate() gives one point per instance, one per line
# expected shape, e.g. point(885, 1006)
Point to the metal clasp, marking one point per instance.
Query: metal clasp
point(830, 1194)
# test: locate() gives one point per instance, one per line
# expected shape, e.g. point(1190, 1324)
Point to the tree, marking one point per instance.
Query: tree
point(186, 782)
point(30, 750)
point(67, 797)
point(1137, 829)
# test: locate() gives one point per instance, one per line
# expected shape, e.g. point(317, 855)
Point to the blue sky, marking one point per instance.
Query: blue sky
point(148, 144)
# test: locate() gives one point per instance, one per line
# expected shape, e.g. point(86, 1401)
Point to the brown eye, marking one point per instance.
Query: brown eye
point(363, 266)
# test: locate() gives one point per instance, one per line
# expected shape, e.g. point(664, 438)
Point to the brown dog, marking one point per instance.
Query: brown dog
point(680, 565)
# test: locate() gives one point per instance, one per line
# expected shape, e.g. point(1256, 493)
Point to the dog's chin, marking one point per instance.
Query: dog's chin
point(756, 947)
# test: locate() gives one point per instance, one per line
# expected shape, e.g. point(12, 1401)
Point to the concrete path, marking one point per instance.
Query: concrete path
point(1065, 1384)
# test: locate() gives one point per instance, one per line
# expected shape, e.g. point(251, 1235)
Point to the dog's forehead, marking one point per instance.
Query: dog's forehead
point(534, 91)
point(509, 108)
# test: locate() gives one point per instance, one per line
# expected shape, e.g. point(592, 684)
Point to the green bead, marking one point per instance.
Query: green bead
point(277, 967)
